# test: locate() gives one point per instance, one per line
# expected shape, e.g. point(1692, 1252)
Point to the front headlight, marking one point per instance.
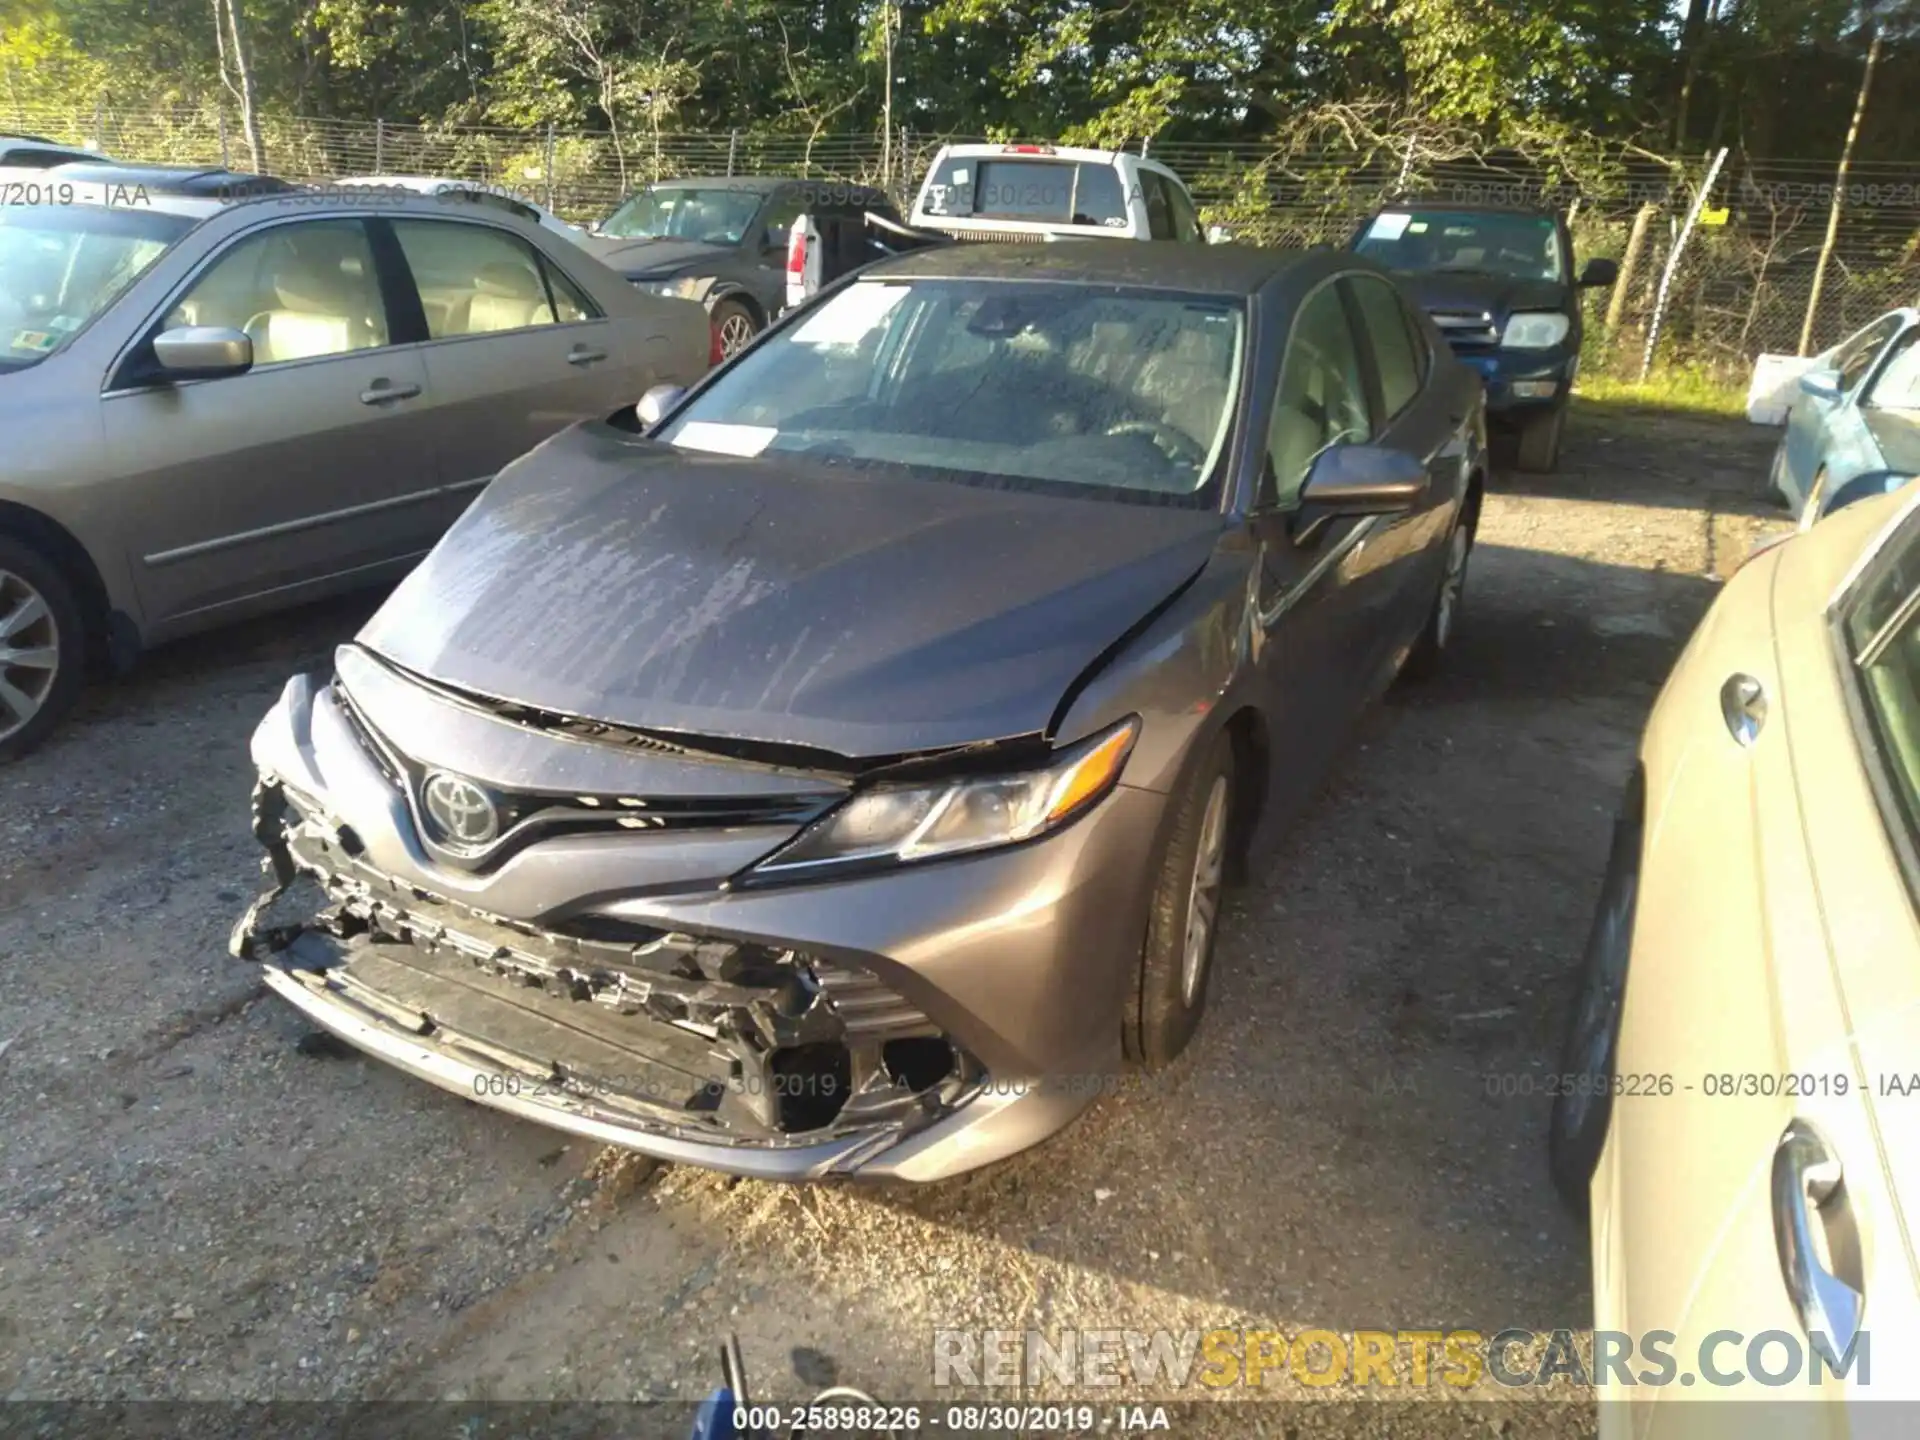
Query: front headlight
point(896, 824)
point(1535, 330)
point(681, 286)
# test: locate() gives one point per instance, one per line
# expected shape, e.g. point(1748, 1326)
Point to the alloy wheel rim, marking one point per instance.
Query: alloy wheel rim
point(735, 331)
point(29, 653)
point(1452, 586)
point(1203, 900)
point(1599, 1011)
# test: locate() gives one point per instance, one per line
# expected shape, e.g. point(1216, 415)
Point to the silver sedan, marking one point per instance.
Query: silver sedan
point(216, 408)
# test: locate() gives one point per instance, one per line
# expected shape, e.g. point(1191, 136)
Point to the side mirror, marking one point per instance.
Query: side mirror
point(1821, 384)
point(655, 404)
point(202, 352)
point(1358, 480)
point(1219, 235)
point(1599, 271)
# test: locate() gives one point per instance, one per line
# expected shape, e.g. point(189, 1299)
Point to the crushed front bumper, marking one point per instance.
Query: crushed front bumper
point(885, 1026)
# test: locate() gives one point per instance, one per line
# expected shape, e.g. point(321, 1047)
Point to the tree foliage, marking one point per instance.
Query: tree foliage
point(1775, 75)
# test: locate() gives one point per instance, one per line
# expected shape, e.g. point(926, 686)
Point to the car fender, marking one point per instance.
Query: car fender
point(1183, 672)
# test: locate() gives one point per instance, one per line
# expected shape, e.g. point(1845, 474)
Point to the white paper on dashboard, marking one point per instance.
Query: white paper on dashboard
point(1390, 226)
point(723, 439)
point(851, 315)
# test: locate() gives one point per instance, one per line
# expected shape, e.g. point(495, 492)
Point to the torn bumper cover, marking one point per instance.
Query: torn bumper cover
point(655, 1024)
point(655, 1039)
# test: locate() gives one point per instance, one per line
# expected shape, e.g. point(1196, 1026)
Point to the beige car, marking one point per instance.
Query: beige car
point(213, 407)
point(1740, 1099)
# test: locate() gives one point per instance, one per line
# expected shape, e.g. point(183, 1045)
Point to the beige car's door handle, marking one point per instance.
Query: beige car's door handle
point(1809, 1190)
point(381, 391)
point(582, 355)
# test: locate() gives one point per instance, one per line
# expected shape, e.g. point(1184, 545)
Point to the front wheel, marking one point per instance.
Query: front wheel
point(1583, 1107)
point(1430, 650)
point(1539, 449)
point(1177, 958)
point(735, 325)
point(42, 647)
point(1776, 476)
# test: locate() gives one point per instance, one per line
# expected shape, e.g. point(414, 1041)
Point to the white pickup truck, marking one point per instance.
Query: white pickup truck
point(1003, 193)
point(1046, 192)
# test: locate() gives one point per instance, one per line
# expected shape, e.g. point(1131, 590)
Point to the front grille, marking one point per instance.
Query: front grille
point(696, 1035)
point(524, 816)
point(1470, 328)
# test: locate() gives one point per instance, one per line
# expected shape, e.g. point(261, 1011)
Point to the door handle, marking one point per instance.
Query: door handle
point(581, 355)
point(381, 391)
point(1809, 1190)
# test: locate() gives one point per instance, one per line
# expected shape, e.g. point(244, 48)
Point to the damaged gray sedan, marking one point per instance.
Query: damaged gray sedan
point(839, 775)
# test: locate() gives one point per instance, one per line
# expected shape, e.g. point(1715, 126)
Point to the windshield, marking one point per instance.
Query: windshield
point(1080, 388)
point(61, 265)
point(1062, 192)
point(718, 215)
point(1524, 247)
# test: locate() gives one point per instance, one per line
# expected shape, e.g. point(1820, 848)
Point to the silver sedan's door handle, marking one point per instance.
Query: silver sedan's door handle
point(381, 391)
point(582, 355)
point(1808, 1190)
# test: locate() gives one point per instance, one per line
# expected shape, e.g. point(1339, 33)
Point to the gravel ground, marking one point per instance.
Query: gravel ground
point(194, 1205)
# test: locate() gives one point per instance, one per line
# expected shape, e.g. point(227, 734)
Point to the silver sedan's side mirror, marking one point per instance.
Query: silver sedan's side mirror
point(201, 352)
point(655, 404)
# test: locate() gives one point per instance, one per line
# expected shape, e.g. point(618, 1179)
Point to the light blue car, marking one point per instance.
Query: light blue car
point(1853, 429)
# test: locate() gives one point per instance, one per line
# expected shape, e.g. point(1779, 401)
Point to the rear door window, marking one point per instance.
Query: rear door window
point(1159, 208)
point(1186, 220)
point(1060, 192)
point(475, 280)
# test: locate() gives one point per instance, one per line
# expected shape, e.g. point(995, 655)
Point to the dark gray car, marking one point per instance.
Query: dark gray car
point(212, 410)
point(722, 241)
point(842, 777)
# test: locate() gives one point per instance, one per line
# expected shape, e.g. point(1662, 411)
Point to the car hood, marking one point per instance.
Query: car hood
point(1499, 295)
point(645, 257)
point(779, 600)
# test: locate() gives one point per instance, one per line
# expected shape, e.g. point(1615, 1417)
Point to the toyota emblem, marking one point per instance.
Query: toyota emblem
point(460, 810)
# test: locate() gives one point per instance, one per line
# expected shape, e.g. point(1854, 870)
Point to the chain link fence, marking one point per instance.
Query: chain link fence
point(1740, 287)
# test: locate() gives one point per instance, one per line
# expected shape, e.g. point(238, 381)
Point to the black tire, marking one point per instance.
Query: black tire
point(735, 324)
point(1539, 448)
point(1443, 620)
point(55, 623)
point(1168, 999)
point(1582, 1111)
point(1777, 492)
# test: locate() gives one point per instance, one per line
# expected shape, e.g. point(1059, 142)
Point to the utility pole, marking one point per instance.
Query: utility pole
point(889, 16)
point(1839, 193)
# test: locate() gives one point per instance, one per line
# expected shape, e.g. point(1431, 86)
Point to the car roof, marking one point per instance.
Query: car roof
point(1467, 207)
point(738, 182)
point(429, 182)
point(1016, 149)
point(1155, 264)
point(761, 182)
point(211, 182)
